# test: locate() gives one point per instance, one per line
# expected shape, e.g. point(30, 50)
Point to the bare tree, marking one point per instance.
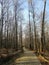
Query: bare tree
point(17, 8)
point(43, 31)
point(34, 22)
point(3, 6)
point(29, 2)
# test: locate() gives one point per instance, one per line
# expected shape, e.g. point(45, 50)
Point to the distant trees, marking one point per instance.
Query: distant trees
point(9, 23)
point(38, 36)
point(32, 14)
point(3, 12)
point(34, 22)
point(21, 31)
point(29, 23)
point(16, 24)
point(17, 9)
point(11, 26)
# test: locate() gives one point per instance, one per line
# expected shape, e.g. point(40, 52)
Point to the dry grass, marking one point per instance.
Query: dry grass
point(42, 59)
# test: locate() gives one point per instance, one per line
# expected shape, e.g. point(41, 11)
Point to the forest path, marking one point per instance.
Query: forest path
point(27, 58)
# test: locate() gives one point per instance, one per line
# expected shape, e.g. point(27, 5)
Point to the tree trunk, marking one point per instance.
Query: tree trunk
point(2, 17)
point(16, 25)
point(43, 31)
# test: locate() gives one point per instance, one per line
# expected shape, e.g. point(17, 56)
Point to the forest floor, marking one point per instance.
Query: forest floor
point(5, 53)
point(47, 55)
point(28, 57)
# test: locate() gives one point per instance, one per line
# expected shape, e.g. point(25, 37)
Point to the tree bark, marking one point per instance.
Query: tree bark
point(43, 31)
